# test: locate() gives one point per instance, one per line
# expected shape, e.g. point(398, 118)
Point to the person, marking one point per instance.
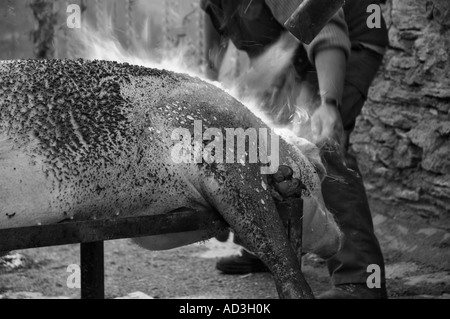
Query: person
point(333, 76)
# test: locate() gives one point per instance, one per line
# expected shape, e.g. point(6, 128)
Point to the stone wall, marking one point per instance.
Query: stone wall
point(402, 138)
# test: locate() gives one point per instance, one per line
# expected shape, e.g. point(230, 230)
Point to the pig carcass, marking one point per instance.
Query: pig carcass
point(87, 140)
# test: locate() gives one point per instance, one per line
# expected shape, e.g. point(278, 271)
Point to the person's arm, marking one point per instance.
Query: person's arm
point(329, 52)
point(215, 50)
point(326, 121)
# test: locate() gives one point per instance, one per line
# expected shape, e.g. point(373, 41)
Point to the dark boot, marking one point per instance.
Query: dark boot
point(354, 291)
point(245, 263)
point(223, 236)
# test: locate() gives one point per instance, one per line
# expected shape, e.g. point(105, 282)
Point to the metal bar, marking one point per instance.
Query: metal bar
point(90, 234)
point(110, 229)
point(311, 17)
point(92, 270)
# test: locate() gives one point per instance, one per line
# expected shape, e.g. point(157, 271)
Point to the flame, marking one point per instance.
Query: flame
point(258, 77)
point(259, 86)
point(104, 45)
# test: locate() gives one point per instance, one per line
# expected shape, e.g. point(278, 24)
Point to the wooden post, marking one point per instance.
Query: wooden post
point(100, 15)
point(71, 46)
point(68, 38)
point(129, 23)
point(165, 27)
point(44, 33)
point(92, 270)
point(201, 37)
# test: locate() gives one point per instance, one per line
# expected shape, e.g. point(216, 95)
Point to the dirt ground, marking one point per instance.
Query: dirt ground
point(186, 272)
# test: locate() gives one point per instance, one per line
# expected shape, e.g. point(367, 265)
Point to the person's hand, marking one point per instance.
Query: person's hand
point(326, 124)
point(301, 124)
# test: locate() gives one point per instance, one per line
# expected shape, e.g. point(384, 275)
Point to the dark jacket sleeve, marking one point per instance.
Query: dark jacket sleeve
point(204, 4)
point(333, 35)
point(283, 9)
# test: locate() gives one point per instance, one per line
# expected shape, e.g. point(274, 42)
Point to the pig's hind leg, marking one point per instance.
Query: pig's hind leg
point(247, 206)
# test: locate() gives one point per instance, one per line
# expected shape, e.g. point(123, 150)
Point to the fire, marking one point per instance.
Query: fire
point(103, 45)
point(249, 88)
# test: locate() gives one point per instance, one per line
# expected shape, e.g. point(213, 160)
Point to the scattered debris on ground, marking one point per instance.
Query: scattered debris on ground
point(185, 273)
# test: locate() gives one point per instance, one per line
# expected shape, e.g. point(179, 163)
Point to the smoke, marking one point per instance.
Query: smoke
point(103, 45)
point(150, 7)
point(258, 86)
point(267, 69)
point(268, 83)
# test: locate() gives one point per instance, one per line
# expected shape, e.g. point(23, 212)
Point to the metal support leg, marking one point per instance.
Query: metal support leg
point(92, 271)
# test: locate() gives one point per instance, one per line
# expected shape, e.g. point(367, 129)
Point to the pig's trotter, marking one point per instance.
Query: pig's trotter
point(266, 237)
point(252, 215)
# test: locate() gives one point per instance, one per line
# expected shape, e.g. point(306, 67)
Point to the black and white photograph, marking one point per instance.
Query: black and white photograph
point(224, 154)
